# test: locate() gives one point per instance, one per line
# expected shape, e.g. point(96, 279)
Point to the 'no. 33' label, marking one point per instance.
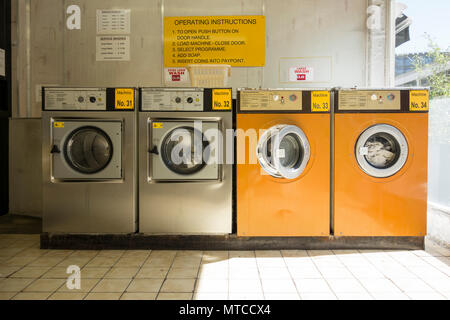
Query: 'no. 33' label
point(124, 99)
point(320, 101)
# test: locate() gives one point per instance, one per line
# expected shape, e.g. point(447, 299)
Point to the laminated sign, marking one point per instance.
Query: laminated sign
point(301, 74)
point(238, 41)
point(176, 74)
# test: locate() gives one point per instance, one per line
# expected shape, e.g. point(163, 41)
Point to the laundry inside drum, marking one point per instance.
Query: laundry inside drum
point(383, 150)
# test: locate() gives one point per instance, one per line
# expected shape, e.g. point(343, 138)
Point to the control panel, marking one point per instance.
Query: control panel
point(269, 100)
point(75, 98)
point(157, 99)
point(369, 100)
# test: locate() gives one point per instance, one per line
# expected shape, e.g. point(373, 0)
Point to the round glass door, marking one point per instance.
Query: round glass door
point(283, 151)
point(381, 150)
point(182, 150)
point(88, 150)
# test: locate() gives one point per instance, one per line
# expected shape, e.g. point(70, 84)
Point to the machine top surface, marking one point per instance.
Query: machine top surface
point(382, 100)
point(186, 99)
point(88, 99)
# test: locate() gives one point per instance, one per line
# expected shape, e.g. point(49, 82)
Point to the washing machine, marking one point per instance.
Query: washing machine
point(380, 162)
point(89, 158)
point(185, 163)
point(283, 162)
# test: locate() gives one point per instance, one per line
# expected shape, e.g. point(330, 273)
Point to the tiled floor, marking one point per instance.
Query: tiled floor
point(26, 272)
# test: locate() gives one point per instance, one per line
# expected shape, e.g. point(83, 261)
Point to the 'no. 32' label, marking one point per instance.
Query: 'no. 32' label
point(124, 98)
point(221, 99)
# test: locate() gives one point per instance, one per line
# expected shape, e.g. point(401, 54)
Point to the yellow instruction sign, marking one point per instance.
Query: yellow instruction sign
point(58, 124)
point(157, 125)
point(238, 41)
point(124, 99)
point(320, 101)
point(418, 100)
point(221, 99)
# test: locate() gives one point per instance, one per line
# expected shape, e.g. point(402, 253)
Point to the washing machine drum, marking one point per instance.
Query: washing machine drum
point(381, 150)
point(283, 151)
point(88, 150)
point(182, 150)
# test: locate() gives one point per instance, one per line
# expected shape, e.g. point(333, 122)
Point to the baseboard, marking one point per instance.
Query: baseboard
point(222, 242)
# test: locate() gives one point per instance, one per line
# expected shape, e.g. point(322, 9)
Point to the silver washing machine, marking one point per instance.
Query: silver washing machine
point(185, 171)
point(89, 157)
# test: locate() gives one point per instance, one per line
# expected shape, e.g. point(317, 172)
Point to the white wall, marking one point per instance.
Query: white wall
point(327, 33)
point(438, 223)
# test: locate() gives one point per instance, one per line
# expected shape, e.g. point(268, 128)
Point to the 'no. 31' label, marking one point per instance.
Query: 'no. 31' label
point(124, 99)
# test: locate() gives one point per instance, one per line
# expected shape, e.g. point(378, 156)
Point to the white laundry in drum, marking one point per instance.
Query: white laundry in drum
point(379, 154)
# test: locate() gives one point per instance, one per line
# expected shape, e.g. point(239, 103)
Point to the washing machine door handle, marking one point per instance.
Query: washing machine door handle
point(153, 150)
point(55, 149)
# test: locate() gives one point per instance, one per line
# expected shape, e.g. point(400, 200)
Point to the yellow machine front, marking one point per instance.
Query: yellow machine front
point(380, 162)
point(283, 163)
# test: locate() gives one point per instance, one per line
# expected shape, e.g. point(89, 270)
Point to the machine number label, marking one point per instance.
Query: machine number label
point(418, 100)
point(157, 125)
point(320, 101)
point(221, 99)
point(58, 124)
point(124, 99)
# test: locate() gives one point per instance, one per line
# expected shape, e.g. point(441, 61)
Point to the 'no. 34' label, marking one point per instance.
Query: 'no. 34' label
point(124, 99)
point(418, 100)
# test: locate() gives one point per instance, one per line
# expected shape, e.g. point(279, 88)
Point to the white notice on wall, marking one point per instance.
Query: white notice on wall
point(176, 74)
point(301, 74)
point(113, 48)
point(113, 21)
point(2, 63)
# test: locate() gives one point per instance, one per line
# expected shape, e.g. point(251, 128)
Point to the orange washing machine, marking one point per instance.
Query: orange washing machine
point(380, 162)
point(283, 162)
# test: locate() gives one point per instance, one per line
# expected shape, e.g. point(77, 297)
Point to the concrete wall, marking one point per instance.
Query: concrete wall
point(46, 53)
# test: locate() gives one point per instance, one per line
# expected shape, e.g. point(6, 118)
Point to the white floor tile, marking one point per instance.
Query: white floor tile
point(274, 273)
point(278, 286)
point(312, 286)
point(245, 286)
point(389, 296)
point(345, 286)
point(425, 296)
point(211, 285)
point(282, 296)
point(245, 296)
point(354, 296)
point(335, 272)
point(412, 285)
point(380, 285)
point(318, 296)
